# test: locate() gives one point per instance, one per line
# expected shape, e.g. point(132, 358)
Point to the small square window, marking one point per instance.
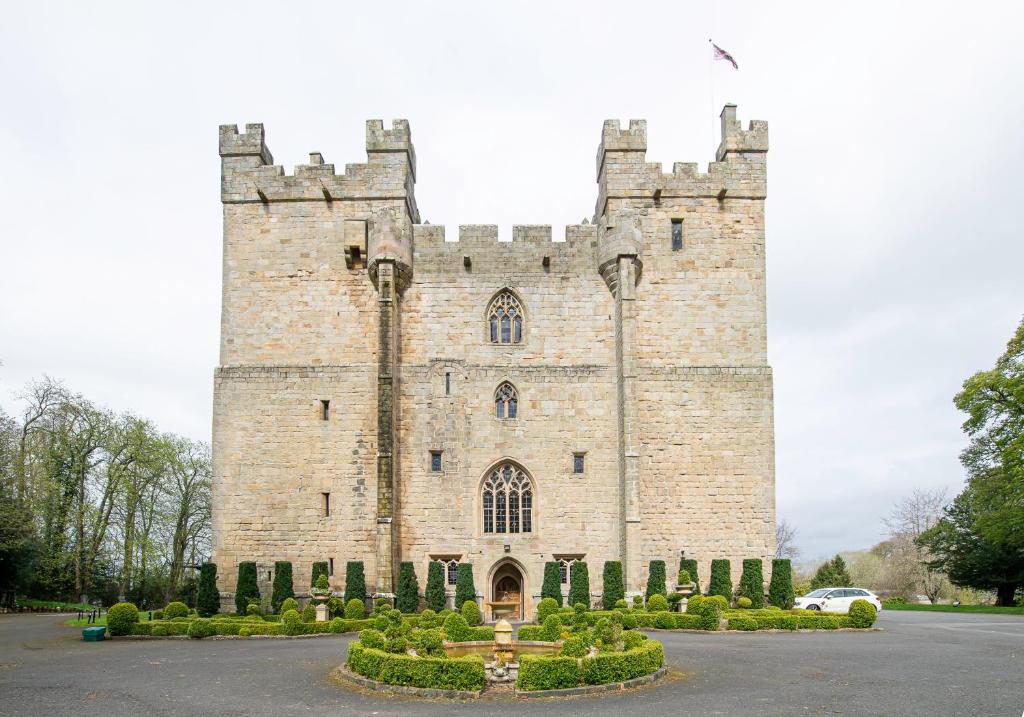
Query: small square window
point(677, 234)
point(435, 461)
point(577, 462)
point(325, 409)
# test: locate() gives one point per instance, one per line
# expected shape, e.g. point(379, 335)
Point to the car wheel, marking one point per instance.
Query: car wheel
point(814, 607)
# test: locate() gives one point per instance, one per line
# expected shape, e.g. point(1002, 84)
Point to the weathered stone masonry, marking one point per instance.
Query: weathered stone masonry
point(648, 361)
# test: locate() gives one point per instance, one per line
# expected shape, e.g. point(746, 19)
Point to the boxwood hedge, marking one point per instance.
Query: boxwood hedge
point(458, 673)
point(537, 672)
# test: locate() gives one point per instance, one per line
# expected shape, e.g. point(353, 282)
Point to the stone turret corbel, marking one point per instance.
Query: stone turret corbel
point(390, 240)
point(621, 238)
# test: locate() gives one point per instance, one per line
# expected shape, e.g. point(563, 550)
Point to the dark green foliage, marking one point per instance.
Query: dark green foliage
point(552, 629)
point(282, 584)
point(291, 622)
point(355, 609)
point(408, 600)
point(460, 673)
point(613, 588)
point(246, 589)
point(355, 582)
point(289, 604)
point(547, 606)
point(656, 579)
point(552, 586)
point(372, 638)
point(121, 618)
point(752, 582)
point(429, 620)
point(547, 673)
point(202, 627)
point(665, 620)
point(780, 590)
point(747, 624)
point(319, 568)
point(608, 667)
point(632, 640)
point(831, 574)
point(309, 613)
point(175, 609)
point(657, 603)
point(721, 580)
point(435, 596)
point(471, 613)
point(574, 647)
point(579, 584)
point(207, 597)
point(862, 614)
point(464, 587)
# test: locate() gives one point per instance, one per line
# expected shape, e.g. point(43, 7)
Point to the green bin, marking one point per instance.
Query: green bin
point(93, 634)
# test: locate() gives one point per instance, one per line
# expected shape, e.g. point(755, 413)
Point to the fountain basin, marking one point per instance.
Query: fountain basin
point(501, 662)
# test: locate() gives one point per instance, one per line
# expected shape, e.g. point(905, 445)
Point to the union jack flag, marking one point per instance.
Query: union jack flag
point(721, 54)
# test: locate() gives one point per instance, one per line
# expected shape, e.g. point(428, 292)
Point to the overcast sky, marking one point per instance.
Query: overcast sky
point(895, 259)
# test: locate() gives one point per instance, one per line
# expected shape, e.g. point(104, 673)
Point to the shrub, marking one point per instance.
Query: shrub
point(575, 647)
point(532, 633)
point(207, 597)
point(621, 604)
point(780, 589)
point(291, 622)
point(629, 621)
point(381, 606)
point(461, 673)
point(744, 602)
point(282, 584)
point(471, 613)
point(547, 673)
point(158, 630)
point(289, 604)
point(246, 589)
point(354, 610)
point(253, 610)
point(429, 620)
point(690, 566)
point(319, 568)
point(408, 600)
point(202, 627)
point(552, 628)
point(683, 578)
point(464, 587)
point(158, 614)
point(752, 582)
point(665, 620)
point(613, 588)
point(372, 638)
point(456, 627)
point(579, 621)
point(552, 585)
point(631, 640)
point(355, 582)
point(121, 617)
point(657, 603)
point(607, 667)
point(721, 581)
point(638, 602)
point(862, 614)
point(748, 624)
point(175, 609)
point(309, 613)
point(434, 596)
point(708, 609)
point(428, 643)
point(673, 600)
point(579, 584)
point(547, 606)
point(656, 579)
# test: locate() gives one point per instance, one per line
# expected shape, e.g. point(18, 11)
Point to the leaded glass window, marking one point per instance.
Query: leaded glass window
point(506, 401)
point(508, 501)
point(505, 319)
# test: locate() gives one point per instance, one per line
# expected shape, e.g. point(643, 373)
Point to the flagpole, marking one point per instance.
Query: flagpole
point(711, 94)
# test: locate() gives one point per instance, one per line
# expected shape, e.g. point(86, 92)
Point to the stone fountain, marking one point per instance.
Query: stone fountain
point(502, 668)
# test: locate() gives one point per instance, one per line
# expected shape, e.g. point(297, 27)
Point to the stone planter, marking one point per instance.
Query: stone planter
point(686, 590)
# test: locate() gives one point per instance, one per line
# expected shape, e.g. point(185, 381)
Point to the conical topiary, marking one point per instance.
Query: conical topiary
point(408, 598)
point(579, 584)
point(613, 589)
point(656, 579)
point(282, 585)
point(207, 596)
point(690, 566)
point(552, 587)
point(721, 580)
point(434, 595)
point(246, 589)
point(752, 582)
point(355, 582)
point(464, 587)
point(780, 590)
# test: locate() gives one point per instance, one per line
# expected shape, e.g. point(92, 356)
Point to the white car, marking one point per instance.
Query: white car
point(836, 599)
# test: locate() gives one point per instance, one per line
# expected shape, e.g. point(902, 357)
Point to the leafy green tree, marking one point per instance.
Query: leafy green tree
point(18, 546)
point(464, 587)
point(247, 588)
point(690, 566)
point(408, 598)
point(434, 595)
point(613, 588)
point(752, 582)
point(579, 584)
point(780, 590)
point(831, 574)
point(656, 579)
point(355, 581)
point(282, 584)
point(968, 558)
point(207, 597)
point(721, 579)
point(552, 586)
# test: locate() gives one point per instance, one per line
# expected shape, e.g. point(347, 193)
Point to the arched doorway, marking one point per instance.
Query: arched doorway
point(508, 591)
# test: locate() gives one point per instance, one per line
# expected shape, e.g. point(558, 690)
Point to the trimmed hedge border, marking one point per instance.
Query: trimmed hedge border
point(451, 673)
point(592, 689)
point(540, 673)
point(348, 675)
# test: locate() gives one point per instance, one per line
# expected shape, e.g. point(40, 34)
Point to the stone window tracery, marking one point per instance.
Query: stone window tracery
point(508, 501)
point(505, 319)
point(506, 401)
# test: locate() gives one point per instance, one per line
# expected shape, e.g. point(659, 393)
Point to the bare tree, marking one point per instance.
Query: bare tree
point(785, 540)
point(911, 517)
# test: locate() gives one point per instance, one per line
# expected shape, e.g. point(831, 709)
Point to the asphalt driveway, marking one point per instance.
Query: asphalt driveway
point(919, 664)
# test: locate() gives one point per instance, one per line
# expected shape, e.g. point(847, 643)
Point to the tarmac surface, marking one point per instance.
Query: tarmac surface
point(919, 663)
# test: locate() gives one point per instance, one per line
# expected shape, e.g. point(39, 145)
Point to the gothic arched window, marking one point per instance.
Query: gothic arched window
point(506, 401)
point(508, 501)
point(505, 319)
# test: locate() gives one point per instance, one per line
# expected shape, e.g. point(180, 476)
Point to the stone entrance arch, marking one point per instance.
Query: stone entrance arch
point(507, 591)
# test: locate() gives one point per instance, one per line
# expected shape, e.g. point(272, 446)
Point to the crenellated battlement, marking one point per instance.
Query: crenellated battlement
point(624, 143)
point(736, 139)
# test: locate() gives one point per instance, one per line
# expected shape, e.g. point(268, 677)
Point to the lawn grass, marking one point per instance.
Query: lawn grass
point(990, 609)
point(53, 605)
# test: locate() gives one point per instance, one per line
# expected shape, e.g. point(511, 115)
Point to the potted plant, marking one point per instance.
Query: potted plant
point(319, 594)
point(685, 588)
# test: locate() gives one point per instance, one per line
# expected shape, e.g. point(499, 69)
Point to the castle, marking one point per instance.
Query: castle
point(390, 392)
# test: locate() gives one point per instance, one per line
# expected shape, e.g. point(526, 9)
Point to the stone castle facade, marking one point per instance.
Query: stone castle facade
point(390, 392)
